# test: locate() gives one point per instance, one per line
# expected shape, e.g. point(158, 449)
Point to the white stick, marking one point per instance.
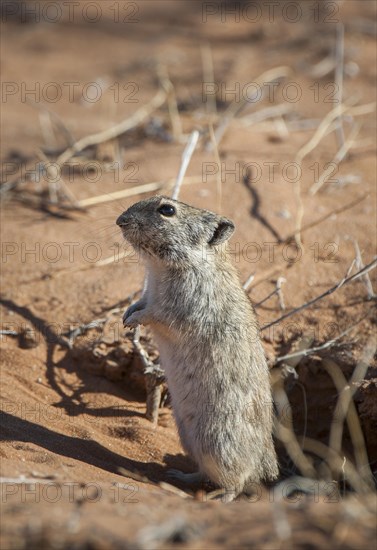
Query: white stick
point(186, 157)
point(339, 67)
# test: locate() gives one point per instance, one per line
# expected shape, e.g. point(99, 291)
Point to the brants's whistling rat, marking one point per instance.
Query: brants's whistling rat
point(207, 334)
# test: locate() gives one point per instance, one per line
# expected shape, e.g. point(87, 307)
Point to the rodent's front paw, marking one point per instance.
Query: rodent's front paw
point(137, 306)
point(135, 318)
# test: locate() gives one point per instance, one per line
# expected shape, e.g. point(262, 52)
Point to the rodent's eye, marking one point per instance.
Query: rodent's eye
point(167, 210)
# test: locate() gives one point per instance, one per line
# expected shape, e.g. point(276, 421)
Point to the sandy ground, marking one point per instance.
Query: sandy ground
point(70, 420)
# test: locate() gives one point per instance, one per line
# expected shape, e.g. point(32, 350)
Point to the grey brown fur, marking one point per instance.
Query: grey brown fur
point(208, 338)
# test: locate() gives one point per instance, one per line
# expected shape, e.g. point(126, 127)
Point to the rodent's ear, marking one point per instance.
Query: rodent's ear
point(222, 233)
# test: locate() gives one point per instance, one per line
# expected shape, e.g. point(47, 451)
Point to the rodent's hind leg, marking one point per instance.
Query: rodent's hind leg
point(195, 477)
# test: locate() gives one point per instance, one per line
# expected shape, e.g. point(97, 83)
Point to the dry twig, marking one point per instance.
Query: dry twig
point(94, 139)
point(208, 77)
point(154, 377)
point(167, 85)
point(360, 265)
point(339, 68)
point(325, 126)
point(340, 155)
point(347, 279)
point(137, 190)
point(327, 216)
point(186, 157)
point(237, 106)
point(325, 345)
point(218, 162)
point(248, 281)
point(279, 291)
point(345, 409)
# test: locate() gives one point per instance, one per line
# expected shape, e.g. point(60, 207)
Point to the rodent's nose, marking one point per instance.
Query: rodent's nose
point(121, 220)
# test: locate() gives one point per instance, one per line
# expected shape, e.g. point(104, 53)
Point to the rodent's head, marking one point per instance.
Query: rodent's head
point(173, 231)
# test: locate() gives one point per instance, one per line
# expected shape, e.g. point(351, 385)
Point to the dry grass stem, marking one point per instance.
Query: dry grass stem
point(360, 265)
point(138, 190)
point(237, 106)
point(248, 281)
point(124, 193)
point(288, 438)
point(343, 468)
point(171, 489)
point(94, 139)
point(50, 117)
point(47, 130)
point(265, 114)
point(321, 131)
point(115, 258)
point(54, 186)
point(339, 69)
point(266, 298)
point(167, 85)
point(154, 377)
point(347, 279)
point(323, 67)
point(218, 162)
point(284, 423)
point(186, 157)
point(340, 155)
point(208, 77)
point(346, 409)
point(279, 292)
point(281, 128)
point(328, 215)
point(325, 345)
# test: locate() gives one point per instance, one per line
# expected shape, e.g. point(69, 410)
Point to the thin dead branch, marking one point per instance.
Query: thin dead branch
point(360, 265)
point(248, 281)
point(154, 377)
point(167, 85)
point(340, 155)
point(54, 117)
point(347, 279)
point(218, 162)
point(186, 157)
point(135, 120)
point(124, 193)
point(266, 298)
point(54, 186)
point(321, 131)
point(339, 70)
point(237, 106)
point(327, 216)
point(310, 351)
point(208, 77)
point(346, 409)
point(137, 190)
point(279, 291)
point(265, 114)
point(337, 464)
